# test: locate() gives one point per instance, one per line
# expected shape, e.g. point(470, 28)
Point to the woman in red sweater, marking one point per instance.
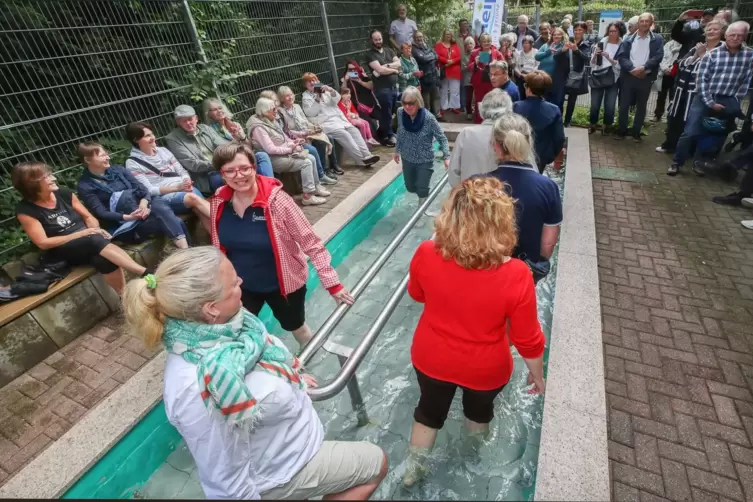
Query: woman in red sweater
point(450, 72)
point(478, 65)
point(475, 298)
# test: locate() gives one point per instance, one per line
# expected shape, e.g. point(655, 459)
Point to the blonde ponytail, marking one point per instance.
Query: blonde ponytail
point(186, 281)
point(513, 134)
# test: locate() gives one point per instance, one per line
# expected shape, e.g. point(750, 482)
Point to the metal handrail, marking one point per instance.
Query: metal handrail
point(349, 367)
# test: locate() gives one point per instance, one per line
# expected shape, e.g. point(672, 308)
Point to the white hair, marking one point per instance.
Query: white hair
point(283, 91)
point(495, 104)
point(412, 92)
point(208, 104)
point(263, 105)
point(740, 24)
point(469, 40)
point(512, 37)
point(632, 21)
point(523, 18)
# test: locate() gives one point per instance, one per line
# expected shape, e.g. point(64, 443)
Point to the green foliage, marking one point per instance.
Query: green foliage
point(581, 118)
point(434, 16)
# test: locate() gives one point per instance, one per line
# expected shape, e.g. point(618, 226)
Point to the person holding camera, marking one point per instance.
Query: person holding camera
point(602, 62)
point(320, 104)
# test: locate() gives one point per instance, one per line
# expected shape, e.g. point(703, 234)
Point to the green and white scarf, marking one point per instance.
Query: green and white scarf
point(224, 354)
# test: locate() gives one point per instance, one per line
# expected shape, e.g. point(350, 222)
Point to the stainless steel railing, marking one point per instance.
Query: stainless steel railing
point(346, 375)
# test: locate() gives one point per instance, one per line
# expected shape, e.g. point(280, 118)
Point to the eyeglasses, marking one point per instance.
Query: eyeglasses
point(409, 103)
point(243, 171)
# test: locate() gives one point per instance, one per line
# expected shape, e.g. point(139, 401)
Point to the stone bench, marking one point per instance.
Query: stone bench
point(34, 327)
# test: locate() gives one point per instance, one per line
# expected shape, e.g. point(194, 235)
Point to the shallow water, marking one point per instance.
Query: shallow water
point(503, 468)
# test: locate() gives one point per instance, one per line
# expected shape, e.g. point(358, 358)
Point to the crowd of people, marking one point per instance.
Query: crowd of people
point(236, 393)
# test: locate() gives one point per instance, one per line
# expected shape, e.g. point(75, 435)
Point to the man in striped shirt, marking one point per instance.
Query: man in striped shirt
point(724, 75)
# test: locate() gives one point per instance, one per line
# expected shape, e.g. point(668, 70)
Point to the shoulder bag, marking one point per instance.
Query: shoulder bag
point(169, 174)
point(576, 82)
point(601, 78)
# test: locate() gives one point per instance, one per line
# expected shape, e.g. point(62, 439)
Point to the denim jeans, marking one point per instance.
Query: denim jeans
point(693, 129)
point(176, 200)
point(633, 90)
point(314, 153)
point(386, 98)
point(609, 96)
point(417, 177)
point(161, 220)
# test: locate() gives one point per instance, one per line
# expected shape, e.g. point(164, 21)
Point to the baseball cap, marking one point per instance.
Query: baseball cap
point(709, 12)
point(184, 111)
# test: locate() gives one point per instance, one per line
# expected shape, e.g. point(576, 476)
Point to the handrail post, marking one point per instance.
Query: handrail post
point(330, 49)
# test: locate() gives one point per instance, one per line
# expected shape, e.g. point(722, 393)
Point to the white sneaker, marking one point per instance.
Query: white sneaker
point(312, 200)
point(372, 141)
point(321, 191)
point(747, 224)
point(660, 150)
point(326, 180)
point(747, 202)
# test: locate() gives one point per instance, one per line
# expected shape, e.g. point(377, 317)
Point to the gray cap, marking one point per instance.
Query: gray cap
point(184, 111)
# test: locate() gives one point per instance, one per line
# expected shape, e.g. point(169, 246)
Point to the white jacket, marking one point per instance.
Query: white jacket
point(324, 112)
point(231, 465)
point(671, 51)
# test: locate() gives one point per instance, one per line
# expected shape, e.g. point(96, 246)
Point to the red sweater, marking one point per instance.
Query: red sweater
point(461, 336)
point(454, 71)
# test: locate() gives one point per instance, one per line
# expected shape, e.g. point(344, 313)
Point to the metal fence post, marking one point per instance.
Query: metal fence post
point(538, 15)
point(195, 38)
point(330, 51)
point(387, 19)
point(580, 11)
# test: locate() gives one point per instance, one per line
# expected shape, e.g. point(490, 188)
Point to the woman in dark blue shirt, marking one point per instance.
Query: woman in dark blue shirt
point(123, 204)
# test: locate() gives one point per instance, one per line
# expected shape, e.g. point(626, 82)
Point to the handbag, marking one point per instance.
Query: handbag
point(366, 110)
point(169, 174)
point(576, 82)
point(601, 78)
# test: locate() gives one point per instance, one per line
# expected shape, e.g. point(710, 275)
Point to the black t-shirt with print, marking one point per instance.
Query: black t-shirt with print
point(385, 57)
point(62, 220)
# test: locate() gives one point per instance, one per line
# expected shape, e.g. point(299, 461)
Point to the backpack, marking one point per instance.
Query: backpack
point(35, 279)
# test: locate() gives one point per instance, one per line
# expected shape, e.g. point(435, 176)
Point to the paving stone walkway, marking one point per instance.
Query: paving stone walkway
point(676, 279)
point(42, 404)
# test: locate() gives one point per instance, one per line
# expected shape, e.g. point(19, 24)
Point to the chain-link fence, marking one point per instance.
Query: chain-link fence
point(79, 70)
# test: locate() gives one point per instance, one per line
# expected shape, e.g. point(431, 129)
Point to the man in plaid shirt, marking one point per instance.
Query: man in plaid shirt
point(723, 78)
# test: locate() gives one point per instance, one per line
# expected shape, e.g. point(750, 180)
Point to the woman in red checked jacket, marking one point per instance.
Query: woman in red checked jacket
point(476, 298)
point(266, 237)
point(478, 65)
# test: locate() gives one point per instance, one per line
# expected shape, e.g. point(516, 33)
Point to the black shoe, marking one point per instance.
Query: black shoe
point(337, 170)
point(620, 136)
point(638, 139)
point(699, 168)
point(331, 173)
point(673, 170)
point(370, 161)
point(733, 199)
point(567, 124)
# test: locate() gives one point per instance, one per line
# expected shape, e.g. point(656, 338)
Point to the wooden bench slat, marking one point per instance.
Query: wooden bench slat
point(17, 308)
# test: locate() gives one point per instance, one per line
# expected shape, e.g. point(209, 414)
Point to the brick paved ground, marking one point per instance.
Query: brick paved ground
point(676, 278)
point(42, 404)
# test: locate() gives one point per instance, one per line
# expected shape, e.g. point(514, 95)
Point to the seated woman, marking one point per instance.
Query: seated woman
point(349, 110)
point(300, 138)
point(545, 118)
point(475, 296)
point(320, 105)
point(263, 439)
point(287, 155)
point(267, 238)
point(297, 125)
point(362, 93)
point(158, 170)
point(472, 154)
point(58, 224)
point(219, 118)
point(114, 196)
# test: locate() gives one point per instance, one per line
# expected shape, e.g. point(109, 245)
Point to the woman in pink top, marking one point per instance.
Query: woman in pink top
point(287, 154)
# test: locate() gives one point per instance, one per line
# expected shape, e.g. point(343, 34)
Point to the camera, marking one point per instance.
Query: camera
point(318, 87)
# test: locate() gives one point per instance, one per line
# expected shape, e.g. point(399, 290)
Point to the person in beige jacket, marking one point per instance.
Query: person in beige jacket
point(473, 153)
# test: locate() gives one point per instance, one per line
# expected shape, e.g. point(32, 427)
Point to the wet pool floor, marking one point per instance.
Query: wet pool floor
point(504, 468)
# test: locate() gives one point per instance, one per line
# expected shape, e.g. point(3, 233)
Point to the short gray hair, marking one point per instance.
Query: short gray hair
point(512, 37)
point(502, 65)
point(740, 24)
point(469, 40)
point(283, 91)
point(412, 92)
point(495, 104)
point(523, 18)
point(263, 105)
point(632, 21)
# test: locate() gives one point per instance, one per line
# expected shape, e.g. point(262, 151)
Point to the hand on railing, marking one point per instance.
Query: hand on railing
point(343, 296)
point(310, 381)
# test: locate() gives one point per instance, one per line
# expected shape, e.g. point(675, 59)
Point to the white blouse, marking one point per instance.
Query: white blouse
point(233, 465)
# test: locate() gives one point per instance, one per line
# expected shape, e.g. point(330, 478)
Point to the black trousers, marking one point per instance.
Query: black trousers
point(667, 83)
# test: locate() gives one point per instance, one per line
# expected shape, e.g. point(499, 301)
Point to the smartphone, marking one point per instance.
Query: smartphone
point(352, 74)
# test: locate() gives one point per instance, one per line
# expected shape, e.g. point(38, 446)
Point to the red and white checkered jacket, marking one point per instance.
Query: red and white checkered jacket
point(291, 234)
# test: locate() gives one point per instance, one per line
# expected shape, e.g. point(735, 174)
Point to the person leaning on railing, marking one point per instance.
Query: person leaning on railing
point(235, 393)
point(474, 296)
point(59, 224)
point(267, 237)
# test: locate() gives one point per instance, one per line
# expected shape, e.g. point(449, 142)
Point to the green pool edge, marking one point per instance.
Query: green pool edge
point(129, 464)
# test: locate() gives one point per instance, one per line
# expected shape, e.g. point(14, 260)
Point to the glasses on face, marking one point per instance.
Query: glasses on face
point(234, 172)
point(409, 103)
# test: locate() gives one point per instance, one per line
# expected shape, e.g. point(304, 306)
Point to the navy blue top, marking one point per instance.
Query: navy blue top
point(510, 88)
point(249, 248)
point(546, 122)
point(95, 192)
point(538, 204)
